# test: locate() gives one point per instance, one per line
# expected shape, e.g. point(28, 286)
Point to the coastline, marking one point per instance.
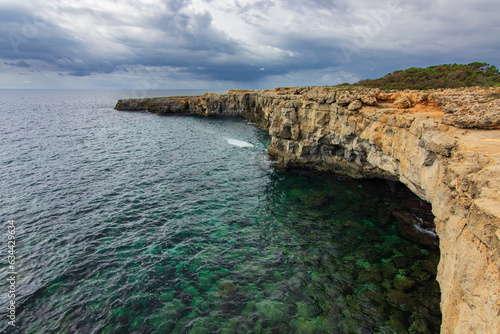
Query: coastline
point(443, 144)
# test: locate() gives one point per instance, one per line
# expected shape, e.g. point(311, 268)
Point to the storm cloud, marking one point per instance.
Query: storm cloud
point(235, 43)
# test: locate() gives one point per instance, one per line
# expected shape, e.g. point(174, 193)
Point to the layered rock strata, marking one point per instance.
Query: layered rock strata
point(443, 144)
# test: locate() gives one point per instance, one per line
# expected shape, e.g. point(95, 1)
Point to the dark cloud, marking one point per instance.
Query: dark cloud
point(75, 74)
point(20, 63)
point(194, 33)
point(328, 5)
point(257, 6)
point(176, 5)
point(22, 37)
point(246, 41)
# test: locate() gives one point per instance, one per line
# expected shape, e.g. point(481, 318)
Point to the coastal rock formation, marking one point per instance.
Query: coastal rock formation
point(443, 144)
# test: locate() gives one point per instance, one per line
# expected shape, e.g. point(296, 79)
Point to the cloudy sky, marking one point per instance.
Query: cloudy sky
point(221, 44)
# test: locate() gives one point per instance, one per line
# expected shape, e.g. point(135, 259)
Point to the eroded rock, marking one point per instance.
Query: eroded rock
point(355, 105)
point(402, 103)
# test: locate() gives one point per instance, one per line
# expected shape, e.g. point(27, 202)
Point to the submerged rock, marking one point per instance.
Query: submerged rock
point(370, 275)
point(418, 326)
point(403, 283)
point(272, 310)
point(400, 262)
point(400, 300)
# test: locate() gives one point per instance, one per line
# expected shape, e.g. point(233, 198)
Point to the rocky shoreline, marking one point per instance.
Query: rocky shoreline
point(443, 144)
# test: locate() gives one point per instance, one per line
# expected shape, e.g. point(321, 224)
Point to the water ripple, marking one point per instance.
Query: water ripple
point(135, 223)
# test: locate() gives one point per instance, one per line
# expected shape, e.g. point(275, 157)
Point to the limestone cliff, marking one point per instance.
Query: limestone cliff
point(443, 144)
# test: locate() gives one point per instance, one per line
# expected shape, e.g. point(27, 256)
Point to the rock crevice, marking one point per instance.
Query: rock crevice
point(443, 144)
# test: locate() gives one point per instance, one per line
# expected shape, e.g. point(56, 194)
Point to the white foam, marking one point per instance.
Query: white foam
point(430, 232)
point(239, 143)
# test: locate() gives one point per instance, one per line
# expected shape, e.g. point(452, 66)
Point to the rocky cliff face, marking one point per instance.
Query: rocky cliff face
point(444, 145)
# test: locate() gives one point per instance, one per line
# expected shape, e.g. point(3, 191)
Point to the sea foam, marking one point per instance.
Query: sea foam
point(239, 143)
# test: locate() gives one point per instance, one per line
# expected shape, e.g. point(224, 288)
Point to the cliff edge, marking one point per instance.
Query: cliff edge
point(443, 144)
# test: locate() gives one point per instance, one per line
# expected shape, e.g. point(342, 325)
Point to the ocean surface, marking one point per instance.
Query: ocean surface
point(129, 222)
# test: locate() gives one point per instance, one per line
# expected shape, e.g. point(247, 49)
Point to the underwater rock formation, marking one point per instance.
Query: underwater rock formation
point(443, 144)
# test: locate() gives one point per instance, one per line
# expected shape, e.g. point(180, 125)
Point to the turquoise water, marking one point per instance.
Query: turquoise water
point(138, 223)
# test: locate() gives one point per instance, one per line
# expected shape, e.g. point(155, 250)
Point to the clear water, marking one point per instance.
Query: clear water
point(138, 223)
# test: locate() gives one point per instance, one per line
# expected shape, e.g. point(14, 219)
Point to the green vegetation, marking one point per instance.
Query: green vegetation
point(439, 76)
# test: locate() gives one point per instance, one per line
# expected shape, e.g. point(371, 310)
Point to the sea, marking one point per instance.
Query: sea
point(131, 222)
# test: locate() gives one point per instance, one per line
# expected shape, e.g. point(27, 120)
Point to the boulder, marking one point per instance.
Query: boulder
point(402, 103)
point(355, 105)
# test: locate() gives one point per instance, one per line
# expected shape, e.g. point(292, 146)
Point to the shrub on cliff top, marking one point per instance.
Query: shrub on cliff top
point(439, 76)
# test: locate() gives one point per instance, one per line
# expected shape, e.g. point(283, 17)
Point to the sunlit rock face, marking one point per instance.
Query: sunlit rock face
point(443, 144)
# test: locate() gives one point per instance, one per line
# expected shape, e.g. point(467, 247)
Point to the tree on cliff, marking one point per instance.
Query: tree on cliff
point(439, 76)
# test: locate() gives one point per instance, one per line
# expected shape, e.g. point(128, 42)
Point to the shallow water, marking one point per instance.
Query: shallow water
point(138, 223)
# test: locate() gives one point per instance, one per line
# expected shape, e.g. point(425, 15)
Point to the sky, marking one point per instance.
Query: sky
point(241, 44)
